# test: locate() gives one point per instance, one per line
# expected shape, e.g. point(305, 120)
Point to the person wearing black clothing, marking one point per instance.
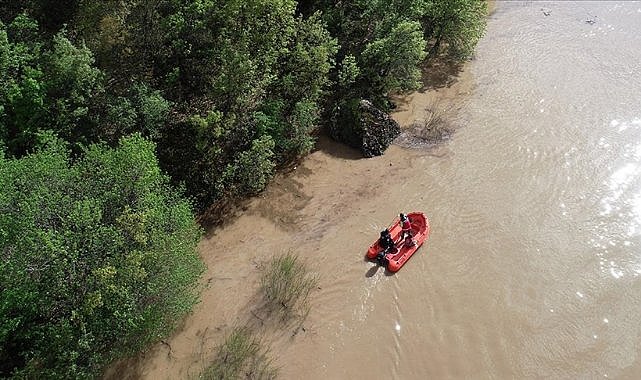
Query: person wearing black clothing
point(387, 243)
point(385, 240)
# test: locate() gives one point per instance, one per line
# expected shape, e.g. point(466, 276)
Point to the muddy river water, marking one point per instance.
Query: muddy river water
point(533, 268)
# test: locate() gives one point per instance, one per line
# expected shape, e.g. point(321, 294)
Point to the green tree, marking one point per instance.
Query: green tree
point(140, 109)
point(99, 258)
point(383, 42)
point(71, 83)
point(253, 168)
point(241, 70)
point(458, 25)
point(392, 62)
point(53, 88)
point(163, 68)
point(294, 97)
point(22, 91)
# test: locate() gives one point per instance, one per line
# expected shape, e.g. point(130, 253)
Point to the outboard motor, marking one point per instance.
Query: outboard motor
point(381, 259)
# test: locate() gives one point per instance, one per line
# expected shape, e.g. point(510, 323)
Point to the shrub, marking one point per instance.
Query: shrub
point(456, 24)
point(302, 122)
point(434, 126)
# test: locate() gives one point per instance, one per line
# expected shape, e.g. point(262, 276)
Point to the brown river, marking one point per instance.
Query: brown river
point(534, 262)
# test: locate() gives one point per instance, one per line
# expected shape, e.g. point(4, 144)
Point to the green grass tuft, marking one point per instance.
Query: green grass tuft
point(286, 283)
point(241, 357)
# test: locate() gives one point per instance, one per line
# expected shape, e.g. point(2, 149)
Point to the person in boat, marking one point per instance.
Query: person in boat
point(386, 242)
point(406, 227)
point(409, 242)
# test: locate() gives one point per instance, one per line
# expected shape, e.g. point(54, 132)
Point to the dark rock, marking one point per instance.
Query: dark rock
point(379, 129)
point(363, 126)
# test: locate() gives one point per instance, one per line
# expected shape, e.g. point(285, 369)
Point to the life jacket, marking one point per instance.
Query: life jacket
point(406, 225)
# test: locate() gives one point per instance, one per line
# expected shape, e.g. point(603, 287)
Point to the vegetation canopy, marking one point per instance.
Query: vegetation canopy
point(98, 258)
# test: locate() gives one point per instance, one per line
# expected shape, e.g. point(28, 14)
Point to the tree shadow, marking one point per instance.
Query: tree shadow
point(221, 213)
point(440, 72)
point(336, 149)
point(127, 368)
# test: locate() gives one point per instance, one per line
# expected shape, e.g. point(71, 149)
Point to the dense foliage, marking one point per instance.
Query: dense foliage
point(384, 42)
point(214, 82)
point(98, 248)
point(98, 258)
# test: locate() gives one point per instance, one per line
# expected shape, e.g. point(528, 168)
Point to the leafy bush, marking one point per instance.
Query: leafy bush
point(71, 81)
point(21, 89)
point(302, 122)
point(292, 135)
point(99, 258)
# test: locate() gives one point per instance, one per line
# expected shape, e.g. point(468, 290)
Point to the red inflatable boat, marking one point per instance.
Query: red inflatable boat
point(397, 256)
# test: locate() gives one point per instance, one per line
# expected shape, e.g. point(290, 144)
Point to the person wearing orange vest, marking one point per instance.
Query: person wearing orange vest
point(406, 226)
point(406, 229)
